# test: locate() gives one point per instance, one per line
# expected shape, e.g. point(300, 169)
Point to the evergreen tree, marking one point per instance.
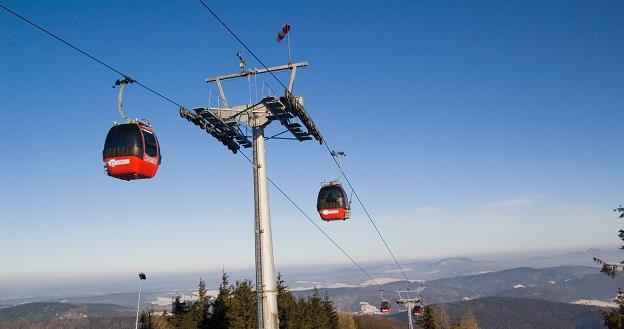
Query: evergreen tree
point(202, 307)
point(162, 321)
point(235, 308)
point(430, 318)
point(614, 319)
point(319, 319)
point(330, 310)
point(219, 319)
point(301, 318)
point(182, 317)
point(177, 306)
point(145, 320)
point(286, 304)
point(242, 311)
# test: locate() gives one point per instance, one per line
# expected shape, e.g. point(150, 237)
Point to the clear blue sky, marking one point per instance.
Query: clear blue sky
point(470, 127)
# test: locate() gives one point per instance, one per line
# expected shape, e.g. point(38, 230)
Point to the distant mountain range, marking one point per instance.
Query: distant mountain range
point(444, 268)
point(568, 284)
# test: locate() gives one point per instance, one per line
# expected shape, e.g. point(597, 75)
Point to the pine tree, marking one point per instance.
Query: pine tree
point(145, 320)
point(319, 319)
point(201, 290)
point(220, 306)
point(330, 310)
point(431, 318)
point(202, 307)
point(614, 319)
point(242, 311)
point(182, 316)
point(301, 316)
point(162, 321)
point(235, 308)
point(286, 304)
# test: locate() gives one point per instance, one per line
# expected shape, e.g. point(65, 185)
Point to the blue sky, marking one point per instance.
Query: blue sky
point(470, 128)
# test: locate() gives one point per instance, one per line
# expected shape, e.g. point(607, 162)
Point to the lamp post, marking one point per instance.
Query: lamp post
point(141, 278)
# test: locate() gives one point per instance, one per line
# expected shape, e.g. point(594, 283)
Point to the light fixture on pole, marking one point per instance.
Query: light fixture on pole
point(141, 278)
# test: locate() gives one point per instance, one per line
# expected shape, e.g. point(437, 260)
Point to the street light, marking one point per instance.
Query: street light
point(141, 278)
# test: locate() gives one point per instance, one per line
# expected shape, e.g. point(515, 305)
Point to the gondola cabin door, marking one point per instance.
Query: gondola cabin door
point(131, 151)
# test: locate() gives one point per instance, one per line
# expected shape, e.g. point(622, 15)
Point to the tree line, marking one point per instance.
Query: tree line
point(437, 318)
point(234, 307)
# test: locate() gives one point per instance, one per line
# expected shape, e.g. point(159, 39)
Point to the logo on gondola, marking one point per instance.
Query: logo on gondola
point(113, 162)
point(151, 160)
point(329, 212)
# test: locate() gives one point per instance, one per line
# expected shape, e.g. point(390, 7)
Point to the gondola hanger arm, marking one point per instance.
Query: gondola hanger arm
point(337, 155)
point(122, 83)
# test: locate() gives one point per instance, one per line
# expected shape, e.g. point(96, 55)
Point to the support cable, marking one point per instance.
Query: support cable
point(318, 227)
point(88, 55)
point(370, 218)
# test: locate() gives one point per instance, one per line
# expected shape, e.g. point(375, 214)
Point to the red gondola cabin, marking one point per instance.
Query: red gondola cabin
point(332, 202)
point(131, 151)
point(385, 307)
point(418, 312)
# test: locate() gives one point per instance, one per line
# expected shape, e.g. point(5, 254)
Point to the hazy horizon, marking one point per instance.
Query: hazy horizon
point(89, 285)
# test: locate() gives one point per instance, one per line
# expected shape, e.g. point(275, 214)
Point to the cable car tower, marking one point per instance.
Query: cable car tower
point(224, 123)
point(410, 302)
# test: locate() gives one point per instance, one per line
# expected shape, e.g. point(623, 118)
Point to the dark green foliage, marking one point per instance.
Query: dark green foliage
point(286, 305)
point(202, 307)
point(145, 320)
point(235, 308)
point(318, 319)
point(614, 319)
point(607, 268)
point(242, 309)
point(182, 316)
point(430, 318)
point(219, 319)
point(328, 308)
